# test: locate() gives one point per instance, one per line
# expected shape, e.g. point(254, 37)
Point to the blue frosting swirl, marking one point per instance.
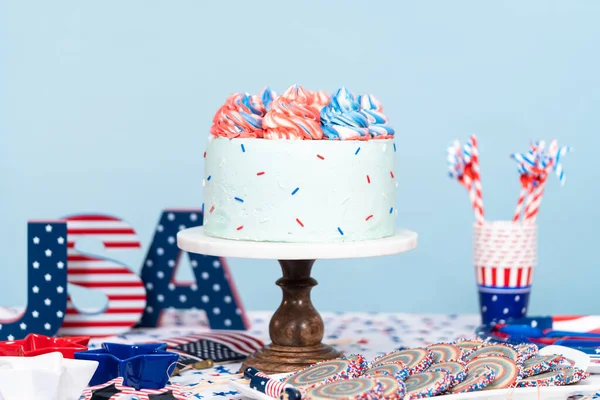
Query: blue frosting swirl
point(373, 110)
point(267, 96)
point(342, 118)
point(251, 109)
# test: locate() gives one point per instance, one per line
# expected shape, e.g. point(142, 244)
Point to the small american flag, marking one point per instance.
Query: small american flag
point(218, 346)
point(114, 389)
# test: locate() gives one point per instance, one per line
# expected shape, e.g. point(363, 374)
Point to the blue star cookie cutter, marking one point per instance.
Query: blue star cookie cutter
point(142, 366)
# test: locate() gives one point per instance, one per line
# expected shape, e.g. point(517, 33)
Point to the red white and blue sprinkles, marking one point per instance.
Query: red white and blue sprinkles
point(475, 381)
point(443, 352)
point(324, 372)
point(417, 360)
point(427, 384)
point(401, 375)
point(370, 179)
point(539, 364)
point(458, 370)
point(505, 369)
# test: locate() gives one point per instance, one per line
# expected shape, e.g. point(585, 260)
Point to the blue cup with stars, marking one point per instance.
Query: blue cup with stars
point(505, 254)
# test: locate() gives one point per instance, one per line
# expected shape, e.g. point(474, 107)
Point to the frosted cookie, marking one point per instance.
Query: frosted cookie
point(350, 389)
point(416, 360)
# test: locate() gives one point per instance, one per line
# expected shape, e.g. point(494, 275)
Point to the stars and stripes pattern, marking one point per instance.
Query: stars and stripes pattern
point(212, 291)
point(123, 288)
point(271, 387)
point(116, 386)
point(113, 232)
point(577, 323)
point(46, 282)
point(504, 277)
point(219, 346)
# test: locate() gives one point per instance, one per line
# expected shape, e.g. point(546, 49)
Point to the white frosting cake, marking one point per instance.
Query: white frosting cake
point(299, 190)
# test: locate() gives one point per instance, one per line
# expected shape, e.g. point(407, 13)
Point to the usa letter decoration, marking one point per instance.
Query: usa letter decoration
point(46, 282)
point(213, 291)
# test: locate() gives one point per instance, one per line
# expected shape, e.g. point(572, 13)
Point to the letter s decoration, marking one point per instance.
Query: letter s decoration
point(123, 288)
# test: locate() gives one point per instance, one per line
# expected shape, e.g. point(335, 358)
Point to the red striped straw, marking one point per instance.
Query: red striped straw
point(535, 196)
point(475, 189)
point(520, 202)
point(533, 206)
point(525, 189)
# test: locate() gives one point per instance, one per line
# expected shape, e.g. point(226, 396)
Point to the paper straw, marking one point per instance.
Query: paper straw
point(476, 196)
point(537, 192)
point(520, 202)
point(463, 163)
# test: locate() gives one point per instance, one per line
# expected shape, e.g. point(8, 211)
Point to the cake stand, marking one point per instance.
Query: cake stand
point(296, 328)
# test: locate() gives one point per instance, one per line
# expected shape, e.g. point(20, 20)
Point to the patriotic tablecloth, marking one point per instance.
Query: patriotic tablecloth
point(370, 334)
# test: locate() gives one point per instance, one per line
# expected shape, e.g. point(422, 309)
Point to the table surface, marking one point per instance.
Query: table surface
point(370, 334)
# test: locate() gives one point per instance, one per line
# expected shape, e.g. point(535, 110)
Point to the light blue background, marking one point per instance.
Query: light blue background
point(106, 106)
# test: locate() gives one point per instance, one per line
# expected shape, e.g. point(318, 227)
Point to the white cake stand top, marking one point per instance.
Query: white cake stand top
point(194, 240)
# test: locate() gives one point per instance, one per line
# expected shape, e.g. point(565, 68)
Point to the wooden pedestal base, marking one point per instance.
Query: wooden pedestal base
point(296, 328)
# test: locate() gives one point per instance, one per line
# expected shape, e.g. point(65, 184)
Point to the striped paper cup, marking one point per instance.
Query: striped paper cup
point(505, 254)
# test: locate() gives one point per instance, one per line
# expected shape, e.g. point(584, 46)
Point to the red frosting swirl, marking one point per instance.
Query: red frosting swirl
point(240, 117)
point(320, 99)
point(294, 115)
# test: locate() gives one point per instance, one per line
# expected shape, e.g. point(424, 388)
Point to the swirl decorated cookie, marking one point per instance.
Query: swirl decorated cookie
point(539, 364)
point(457, 370)
point(427, 384)
point(475, 381)
point(393, 389)
point(560, 376)
point(357, 362)
point(468, 344)
point(505, 370)
point(526, 350)
point(416, 360)
point(398, 371)
point(350, 389)
point(323, 372)
point(443, 352)
point(497, 349)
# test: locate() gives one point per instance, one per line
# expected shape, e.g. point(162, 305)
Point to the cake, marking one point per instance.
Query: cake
point(300, 167)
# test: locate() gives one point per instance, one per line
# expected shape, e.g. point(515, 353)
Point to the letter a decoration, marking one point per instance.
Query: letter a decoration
point(122, 287)
point(46, 282)
point(213, 291)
